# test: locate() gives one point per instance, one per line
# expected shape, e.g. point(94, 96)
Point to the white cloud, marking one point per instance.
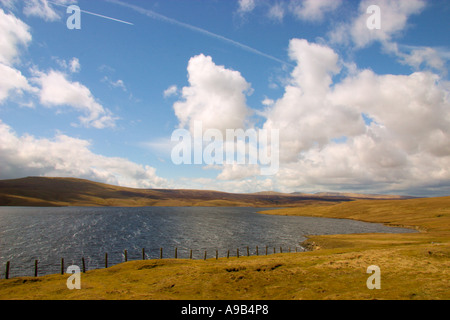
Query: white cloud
point(313, 10)
point(238, 172)
point(394, 18)
point(276, 12)
point(64, 156)
point(246, 185)
point(394, 22)
point(305, 115)
point(306, 10)
point(8, 4)
point(405, 149)
point(171, 91)
point(43, 9)
point(13, 34)
point(421, 57)
point(268, 102)
point(12, 80)
point(215, 95)
point(115, 84)
point(74, 65)
point(119, 84)
point(57, 91)
point(246, 6)
point(413, 109)
point(325, 142)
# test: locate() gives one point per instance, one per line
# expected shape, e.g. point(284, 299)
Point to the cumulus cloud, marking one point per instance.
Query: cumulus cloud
point(327, 144)
point(12, 81)
point(58, 91)
point(64, 156)
point(305, 115)
point(365, 132)
point(414, 108)
point(394, 21)
point(14, 34)
point(216, 96)
point(61, 155)
point(55, 89)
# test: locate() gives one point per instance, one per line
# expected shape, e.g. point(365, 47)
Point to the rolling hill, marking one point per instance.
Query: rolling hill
point(44, 191)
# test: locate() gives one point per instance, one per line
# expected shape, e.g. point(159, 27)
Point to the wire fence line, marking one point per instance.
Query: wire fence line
point(88, 263)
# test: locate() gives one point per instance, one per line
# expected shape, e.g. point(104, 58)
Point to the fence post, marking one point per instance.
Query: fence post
point(84, 265)
point(143, 254)
point(228, 253)
point(257, 253)
point(190, 254)
point(7, 270)
point(248, 252)
point(62, 266)
point(217, 254)
point(205, 255)
point(281, 250)
point(126, 255)
point(35, 268)
point(106, 260)
point(237, 252)
point(176, 253)
point(160, 253)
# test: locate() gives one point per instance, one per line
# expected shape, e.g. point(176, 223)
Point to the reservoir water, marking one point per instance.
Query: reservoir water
point(49, 234)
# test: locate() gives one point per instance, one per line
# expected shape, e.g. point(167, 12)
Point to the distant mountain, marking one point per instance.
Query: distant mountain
point(42, 191)
point(361, 196)
point(334, 194)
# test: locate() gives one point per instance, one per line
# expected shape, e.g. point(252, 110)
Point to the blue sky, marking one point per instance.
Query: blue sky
point(358, 110)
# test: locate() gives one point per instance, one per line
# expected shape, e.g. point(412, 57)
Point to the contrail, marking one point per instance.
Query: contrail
point(157, 16)
point(92, 13)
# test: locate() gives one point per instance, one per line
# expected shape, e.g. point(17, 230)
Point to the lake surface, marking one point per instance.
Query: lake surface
point(49, 234)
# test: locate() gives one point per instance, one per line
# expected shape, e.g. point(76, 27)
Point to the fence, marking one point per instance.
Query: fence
point(267, 251)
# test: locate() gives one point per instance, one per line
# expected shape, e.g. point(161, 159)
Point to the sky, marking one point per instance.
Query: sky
point(359, 106)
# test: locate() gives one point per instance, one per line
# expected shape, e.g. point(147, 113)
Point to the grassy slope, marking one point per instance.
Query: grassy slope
point(413, 266)
point(42, 191)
